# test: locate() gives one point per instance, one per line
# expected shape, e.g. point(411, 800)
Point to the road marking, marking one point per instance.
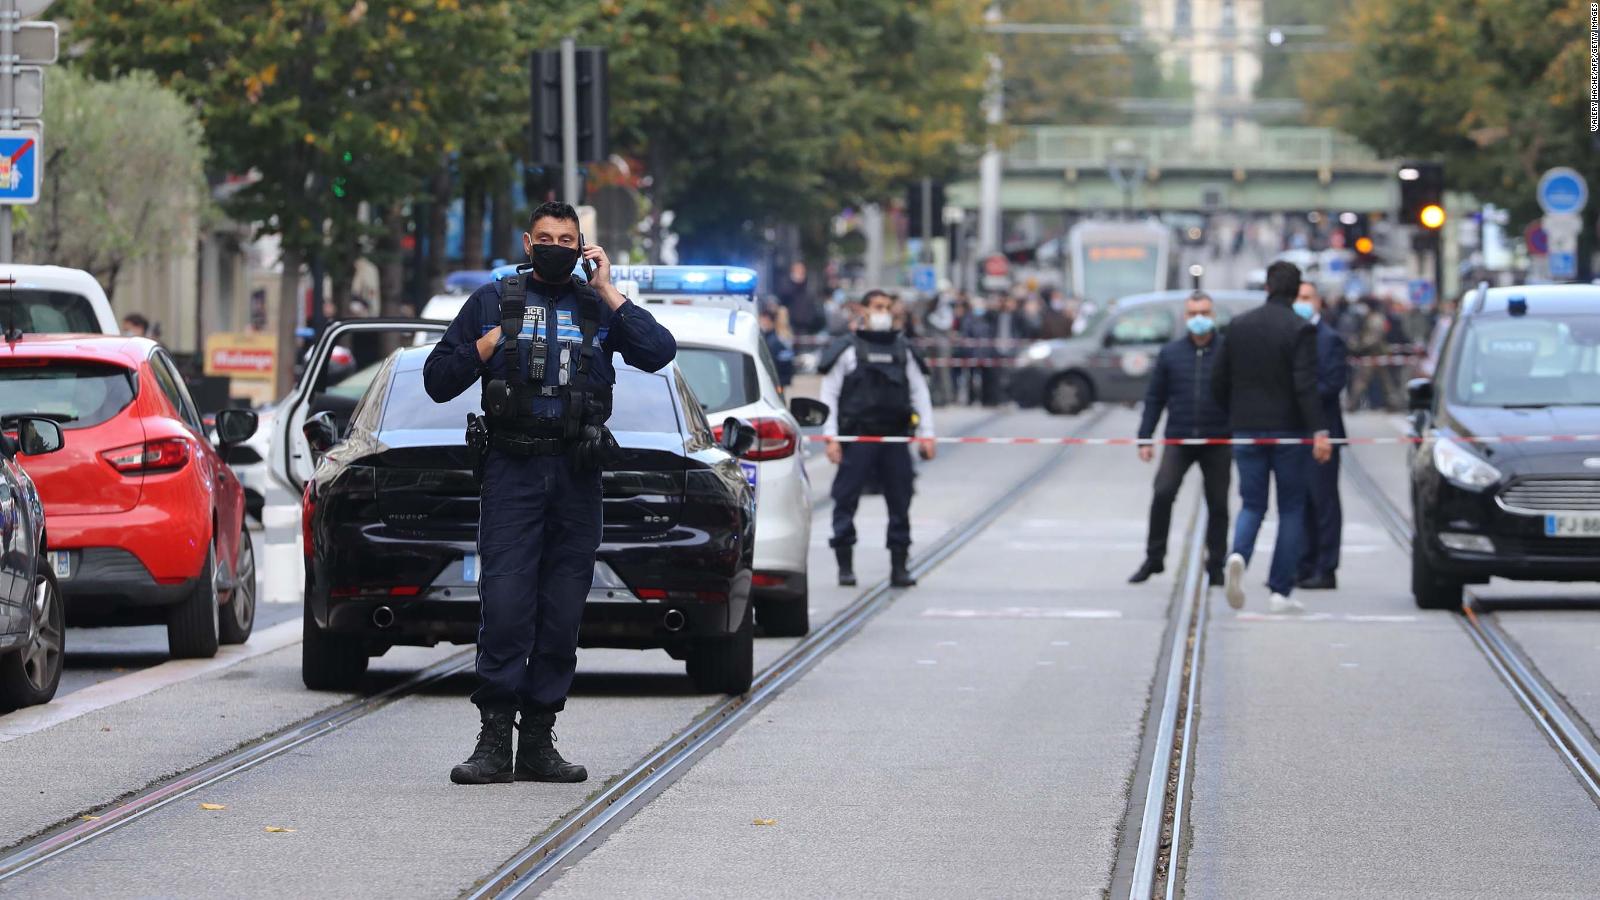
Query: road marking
point(1021, 612)
point(145, 681)
point(1320, 617)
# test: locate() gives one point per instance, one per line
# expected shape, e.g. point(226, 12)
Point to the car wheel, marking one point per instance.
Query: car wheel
point(784, 616)
point(239, 616)
point(1428, 587)
point(1068, 395)
point(193, 626)
point(727, 664)
point(330, 662)
point(30, 675)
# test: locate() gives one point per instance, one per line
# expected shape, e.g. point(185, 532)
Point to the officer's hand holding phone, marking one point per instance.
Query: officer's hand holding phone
point(486, 344)
point(835, 451)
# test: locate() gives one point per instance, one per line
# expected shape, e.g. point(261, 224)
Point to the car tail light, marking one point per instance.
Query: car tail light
point(775, 439)
point(150, 457)
point(399, 590)
point(765, 579)
point(308, 508)
point(650, 594)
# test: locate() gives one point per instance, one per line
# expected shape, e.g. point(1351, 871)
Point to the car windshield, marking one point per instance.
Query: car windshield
point(47, 312)
point(721, 379)
point(641, 401)
point(1119, 271)
point(1528, 361)
point(75, 394)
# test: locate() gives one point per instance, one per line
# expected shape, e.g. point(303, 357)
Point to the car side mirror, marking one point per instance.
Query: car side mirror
point(737, 436)
point(36, 437)
point(321, 432)
point(808, 412)
point(235, 426)
point(1419, 391)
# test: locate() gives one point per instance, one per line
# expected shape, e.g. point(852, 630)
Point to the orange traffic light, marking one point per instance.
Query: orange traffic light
point(1363, 244)
point(1431, 216)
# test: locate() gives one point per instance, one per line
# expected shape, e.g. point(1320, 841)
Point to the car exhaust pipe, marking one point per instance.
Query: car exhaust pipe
point(674, 620)
point(383, 617)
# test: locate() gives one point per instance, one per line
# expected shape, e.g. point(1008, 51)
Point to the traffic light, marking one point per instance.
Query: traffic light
point(914, 210)
point(1422, 194)
point(1357, 233)
point(593, 140)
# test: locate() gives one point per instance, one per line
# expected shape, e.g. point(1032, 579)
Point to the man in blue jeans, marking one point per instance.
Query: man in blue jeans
point(1265, 377)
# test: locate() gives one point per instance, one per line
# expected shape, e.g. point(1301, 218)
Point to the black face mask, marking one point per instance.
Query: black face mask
point(553, 262)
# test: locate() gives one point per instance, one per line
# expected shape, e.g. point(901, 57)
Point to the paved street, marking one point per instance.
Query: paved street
point(1001, 704)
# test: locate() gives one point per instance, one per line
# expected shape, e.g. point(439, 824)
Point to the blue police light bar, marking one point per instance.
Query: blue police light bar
point(688, 279)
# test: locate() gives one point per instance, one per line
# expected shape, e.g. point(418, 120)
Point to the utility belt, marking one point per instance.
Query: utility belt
point(876, 428)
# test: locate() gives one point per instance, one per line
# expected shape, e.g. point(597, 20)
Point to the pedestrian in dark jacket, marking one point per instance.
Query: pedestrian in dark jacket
point(1266, 378)
point(1324, 516)
point(1181, 384)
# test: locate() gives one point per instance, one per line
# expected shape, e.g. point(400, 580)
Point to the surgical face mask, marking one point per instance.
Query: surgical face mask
point(1199, 325)
point(1304, 309)
point(553, 262)
point(880, 321)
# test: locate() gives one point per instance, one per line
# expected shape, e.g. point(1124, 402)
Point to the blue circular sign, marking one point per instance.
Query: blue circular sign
point(1562, 191)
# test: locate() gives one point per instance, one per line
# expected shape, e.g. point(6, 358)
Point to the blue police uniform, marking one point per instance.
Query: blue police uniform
point(539, 522)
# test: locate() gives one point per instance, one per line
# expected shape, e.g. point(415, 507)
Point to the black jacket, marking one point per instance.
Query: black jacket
point(1266, 374)
point(1333, 373)
point(1181, 384)
point(454, 364)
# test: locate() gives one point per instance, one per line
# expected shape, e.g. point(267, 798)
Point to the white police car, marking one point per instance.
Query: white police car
point(723, 358)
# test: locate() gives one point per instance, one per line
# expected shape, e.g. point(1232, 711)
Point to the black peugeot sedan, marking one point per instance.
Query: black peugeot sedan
point(391, 520)
point(32, 617)
point(1519, 363)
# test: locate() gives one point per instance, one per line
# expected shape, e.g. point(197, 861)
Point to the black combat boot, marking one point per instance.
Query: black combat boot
point(537, 758)
point(899, 573)
point(847, 573)
point(490, 762)
point(1150, 567)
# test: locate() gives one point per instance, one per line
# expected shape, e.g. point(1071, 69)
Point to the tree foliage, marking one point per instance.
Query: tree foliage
point(124, 174)
point(1055, 79)
point(749, 112)
point(1497, 89)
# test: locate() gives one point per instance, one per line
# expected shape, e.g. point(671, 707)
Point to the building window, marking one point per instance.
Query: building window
point(1227, 14)
point(1182, 15)
point(1225, 76)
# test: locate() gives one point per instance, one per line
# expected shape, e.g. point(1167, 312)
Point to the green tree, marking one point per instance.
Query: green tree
point(124, 175)
point(1496, 89)
point(1054, 79)
point(334, 103)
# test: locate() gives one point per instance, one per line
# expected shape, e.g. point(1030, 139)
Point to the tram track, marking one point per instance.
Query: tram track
point(566, 842)
point(1149, 857)
point(1571, 736)
point(102, 821)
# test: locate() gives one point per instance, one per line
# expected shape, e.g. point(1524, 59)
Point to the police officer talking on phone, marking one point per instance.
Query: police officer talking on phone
point(540, 343)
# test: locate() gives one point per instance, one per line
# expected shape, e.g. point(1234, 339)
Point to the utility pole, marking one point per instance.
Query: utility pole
point(9, 20)
point(989, 166)
point(927, 220)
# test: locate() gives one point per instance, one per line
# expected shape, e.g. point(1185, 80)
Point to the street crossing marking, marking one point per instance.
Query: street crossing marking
point(1021, 612)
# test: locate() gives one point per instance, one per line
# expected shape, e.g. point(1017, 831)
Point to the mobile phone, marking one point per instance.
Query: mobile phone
point(588, 267)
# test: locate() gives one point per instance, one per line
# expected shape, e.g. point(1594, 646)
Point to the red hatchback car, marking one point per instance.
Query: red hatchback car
point(145, 519)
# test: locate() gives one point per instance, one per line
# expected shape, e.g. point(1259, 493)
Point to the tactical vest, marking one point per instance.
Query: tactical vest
point(876, 398)
point(534, 368)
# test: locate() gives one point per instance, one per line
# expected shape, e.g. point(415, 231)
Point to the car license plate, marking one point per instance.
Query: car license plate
point(469, 568)
point(61, 563)
point(1569, 525)
point(749, 472)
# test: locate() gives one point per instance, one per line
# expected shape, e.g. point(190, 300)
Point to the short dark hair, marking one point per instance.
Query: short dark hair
point(866, 299)
point(1283, 279)
point(553, 209)
point(1197, 297)
point(137, 321)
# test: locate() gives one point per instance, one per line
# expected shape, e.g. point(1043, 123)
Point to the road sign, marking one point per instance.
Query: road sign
point(1538, 242)
point(925, 279)
point(37, 43)
point(997, 266)
point(19, 168)
point(1562, 190)
point(1420, 290)
point(28, 91)
point(1563, 264)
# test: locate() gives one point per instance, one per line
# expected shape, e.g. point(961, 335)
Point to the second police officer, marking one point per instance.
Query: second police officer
point(540, 343)
point(873, 384)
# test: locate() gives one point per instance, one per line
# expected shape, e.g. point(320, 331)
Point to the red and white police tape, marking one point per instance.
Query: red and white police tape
point(1200, 442)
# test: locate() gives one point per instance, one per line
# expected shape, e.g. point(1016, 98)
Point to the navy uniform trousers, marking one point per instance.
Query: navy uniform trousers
point(539, 526)
point(892, 465)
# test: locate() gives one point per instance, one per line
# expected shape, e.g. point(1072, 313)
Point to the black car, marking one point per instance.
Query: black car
point(391, 523)
point(32, 616)
point(1518, 362)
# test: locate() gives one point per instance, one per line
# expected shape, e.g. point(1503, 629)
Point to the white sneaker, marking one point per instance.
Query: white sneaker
point(1278, 603)
point(1233, 580)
